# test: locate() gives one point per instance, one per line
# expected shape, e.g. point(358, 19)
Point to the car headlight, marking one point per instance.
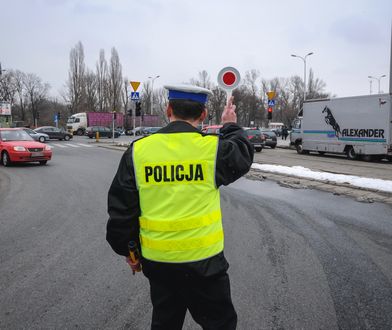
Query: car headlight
point(19, 148)
point(47, 148)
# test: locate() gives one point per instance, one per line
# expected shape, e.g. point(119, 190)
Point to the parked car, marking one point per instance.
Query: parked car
point(55, 133)
point(256, 138)
point(102, 130)
point(18, 146)
point(41, 137)
point(138, 131)
point(120, 131)
point(270, 137)
point(254, 135)
point(150, 130)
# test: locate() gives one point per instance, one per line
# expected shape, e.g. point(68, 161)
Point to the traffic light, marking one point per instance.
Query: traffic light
point(114, 115)
point(269, 113)
point(138, 108)
point(130, 112)
point(58, 115)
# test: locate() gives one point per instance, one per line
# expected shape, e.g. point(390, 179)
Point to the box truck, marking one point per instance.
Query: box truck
point(78, 122)
point(359, 126)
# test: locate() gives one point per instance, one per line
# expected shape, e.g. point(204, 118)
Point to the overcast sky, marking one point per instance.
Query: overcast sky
point(176, 39)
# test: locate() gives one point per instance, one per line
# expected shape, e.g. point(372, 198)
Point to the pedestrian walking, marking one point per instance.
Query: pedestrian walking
point(165, 197)
point(285, 132)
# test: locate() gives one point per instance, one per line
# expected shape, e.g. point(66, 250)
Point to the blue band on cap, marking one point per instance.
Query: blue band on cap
point(198, 97)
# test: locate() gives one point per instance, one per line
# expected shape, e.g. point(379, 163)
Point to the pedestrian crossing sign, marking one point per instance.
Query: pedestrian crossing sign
point(271, 103)
point(135, 96)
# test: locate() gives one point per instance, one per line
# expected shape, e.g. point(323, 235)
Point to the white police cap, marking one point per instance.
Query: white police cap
point(188, 92)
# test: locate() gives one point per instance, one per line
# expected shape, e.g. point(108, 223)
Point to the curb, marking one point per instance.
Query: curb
point(366, 195)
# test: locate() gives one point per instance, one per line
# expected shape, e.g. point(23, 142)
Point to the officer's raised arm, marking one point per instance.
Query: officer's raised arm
point(235, 152)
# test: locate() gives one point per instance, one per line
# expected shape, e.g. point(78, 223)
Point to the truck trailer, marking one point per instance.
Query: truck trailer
point(78, 122)
point(358, 126)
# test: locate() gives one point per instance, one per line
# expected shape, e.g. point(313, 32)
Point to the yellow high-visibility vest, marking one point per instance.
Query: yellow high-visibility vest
point(180, 217)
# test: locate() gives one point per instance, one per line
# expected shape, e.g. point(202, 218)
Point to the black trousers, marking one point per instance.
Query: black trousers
point(208, 299)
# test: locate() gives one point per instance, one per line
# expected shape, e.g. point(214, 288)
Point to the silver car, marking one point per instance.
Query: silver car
point(41, 137)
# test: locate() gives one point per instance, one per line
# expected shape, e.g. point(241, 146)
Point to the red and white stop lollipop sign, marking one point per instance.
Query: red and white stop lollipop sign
point(229, 78)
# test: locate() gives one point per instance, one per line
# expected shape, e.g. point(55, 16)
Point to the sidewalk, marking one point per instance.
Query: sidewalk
point(285, 144)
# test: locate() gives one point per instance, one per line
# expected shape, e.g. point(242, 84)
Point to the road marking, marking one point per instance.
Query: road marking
point(72, 145)
point(84, 145)
point(57, 145)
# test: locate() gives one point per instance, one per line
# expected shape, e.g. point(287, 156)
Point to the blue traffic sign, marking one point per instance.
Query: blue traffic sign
point(55, 119)
point(135, 96)
point(271, 103)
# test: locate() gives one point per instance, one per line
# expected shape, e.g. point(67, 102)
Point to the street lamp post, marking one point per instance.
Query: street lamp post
point(152, 91)
point(378, 80)
point(370, 82)
point(304, 60)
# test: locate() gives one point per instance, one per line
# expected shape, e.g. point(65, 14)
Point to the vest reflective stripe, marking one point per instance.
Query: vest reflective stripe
point(181, 224)
point(185, 244)
point(180, 218)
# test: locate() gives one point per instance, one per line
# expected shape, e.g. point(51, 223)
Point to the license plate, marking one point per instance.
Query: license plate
point(37, 154)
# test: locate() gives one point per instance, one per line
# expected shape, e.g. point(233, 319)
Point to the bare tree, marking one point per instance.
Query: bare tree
point(102, 77)
point(36, 91)
point(76, 79)
point(146, 97)
point(19, 79)
point(115, 76)
point(162, 102)
point(203, 80)
point(315, 87)
point(216, 103)
point(124, 95)
point(91, 91)
point(7, 87)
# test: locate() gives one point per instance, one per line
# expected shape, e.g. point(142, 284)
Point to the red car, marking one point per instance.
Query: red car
point(18, 146)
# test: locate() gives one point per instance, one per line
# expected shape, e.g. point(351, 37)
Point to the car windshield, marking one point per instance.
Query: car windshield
point(29, 131)
point(71, 120)
point(15, 135)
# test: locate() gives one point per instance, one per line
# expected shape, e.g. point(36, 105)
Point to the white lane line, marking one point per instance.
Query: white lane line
point(57, 145)
point(84, 145)
point(71, 145)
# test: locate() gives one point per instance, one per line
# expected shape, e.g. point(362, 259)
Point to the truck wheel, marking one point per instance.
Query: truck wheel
point(79, 132)
point(300, 149)
point(351, 154)
point(258, 149)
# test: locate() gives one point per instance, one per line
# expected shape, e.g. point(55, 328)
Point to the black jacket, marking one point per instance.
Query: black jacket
point(234, 158)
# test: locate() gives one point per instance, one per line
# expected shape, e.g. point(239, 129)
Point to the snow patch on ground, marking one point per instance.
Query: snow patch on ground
point(299, 171)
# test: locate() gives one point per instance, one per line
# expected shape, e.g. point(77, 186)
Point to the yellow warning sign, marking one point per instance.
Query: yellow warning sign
point(271, 95)
point(135, 85)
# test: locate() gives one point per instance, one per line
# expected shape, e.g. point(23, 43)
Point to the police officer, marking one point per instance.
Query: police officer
point(165, 197)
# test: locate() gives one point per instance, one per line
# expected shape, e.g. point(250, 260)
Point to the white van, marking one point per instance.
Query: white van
point(359, 126)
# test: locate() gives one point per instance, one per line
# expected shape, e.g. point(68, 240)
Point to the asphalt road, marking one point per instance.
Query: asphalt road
point(300, 259)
